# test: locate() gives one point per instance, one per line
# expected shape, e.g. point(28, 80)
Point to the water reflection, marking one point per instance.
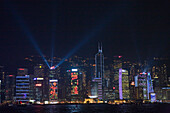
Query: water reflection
point(93, 108)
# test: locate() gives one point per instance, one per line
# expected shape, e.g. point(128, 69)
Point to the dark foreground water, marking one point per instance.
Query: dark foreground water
point(92, 108)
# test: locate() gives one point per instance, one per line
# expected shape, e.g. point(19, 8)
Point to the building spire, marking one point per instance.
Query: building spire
point(101, 46)
point(98, 46)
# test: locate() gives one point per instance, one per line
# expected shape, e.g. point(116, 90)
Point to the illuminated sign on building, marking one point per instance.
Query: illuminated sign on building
point(53, 90)
point(153, 97)
point(38, 85)
point(38, 78)
point(132, 83)
point(74, 83)
point(10, 75)
point(21, 69)
point(53, 80)
point(136, 81)
point(74, 70)
point(142, 79)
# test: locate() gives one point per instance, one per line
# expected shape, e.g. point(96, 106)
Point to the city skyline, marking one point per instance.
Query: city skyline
point(79, 80)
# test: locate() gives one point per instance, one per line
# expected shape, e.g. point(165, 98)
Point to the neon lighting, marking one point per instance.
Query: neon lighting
point(22, 97)
point(53, 91)
point(133, 83)
point(123, 70)
point(22, 87)
point(53, 80)
point(10, 75)
point(40, 66)
point(113, 87)
point(38, 85)
point(74, 70)
point(156, 77)
point(21, 69)
point(120, 84)
point(143, 73)
point(153, 97)
point(74, 83)
point(92, 96)
point(76, 90)
point(166, 88)
point(119, 56)
point(148, 87)
point(22, 80)
point(21, 93)
point(22, 101)
point(22, 90)
point(75, 77)
point(53, 67)
point(38, 78)
point(22, 76)
point(68, 70)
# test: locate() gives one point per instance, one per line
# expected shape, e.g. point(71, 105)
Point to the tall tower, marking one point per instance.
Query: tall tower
point(99, 73)
point(99, 61)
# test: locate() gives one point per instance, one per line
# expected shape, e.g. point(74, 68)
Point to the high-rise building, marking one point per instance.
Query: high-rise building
point(10, 88)
point(117, 64)
point(39, 87)
point(2, 79)
point(0, 91)
point(53, 75)
point(124, 92)
point(53, 90)
point(160, 76)
point(99, 73)
point(75, 90)
point(22, 85)
point(99, 61)
point(144, 86)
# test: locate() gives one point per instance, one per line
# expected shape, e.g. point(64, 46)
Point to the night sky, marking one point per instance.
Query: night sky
point(136, 30)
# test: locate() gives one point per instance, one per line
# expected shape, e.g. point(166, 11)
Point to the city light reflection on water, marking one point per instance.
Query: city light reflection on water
point(92, 108)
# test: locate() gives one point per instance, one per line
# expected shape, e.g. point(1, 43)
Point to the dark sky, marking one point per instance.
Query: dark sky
point(134, 29)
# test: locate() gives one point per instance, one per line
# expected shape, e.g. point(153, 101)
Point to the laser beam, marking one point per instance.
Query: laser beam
point(25, 29)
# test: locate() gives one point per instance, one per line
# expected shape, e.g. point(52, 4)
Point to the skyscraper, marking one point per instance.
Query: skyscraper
point(39, 86)
point(124, 92)
point(117, 64)
point(75, 89)
point(99, 72)
point(22, 85)
point(9, 88)
point(2, 84)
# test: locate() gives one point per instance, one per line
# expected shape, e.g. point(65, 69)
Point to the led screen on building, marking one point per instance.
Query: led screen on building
point(74, 83)
point(142, 80)
point(53, 94)
point(153, 97)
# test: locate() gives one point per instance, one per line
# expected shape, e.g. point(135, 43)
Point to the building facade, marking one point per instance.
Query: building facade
point(22, 86)
point(99, 73)
point(10, 88)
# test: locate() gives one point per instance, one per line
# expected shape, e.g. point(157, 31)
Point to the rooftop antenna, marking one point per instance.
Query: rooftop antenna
point(98, 46)
point(101, 46)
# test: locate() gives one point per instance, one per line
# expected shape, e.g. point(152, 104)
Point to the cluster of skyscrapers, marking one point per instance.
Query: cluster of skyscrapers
point(79, 80)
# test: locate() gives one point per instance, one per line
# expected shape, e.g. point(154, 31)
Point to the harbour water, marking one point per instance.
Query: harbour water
point(91, 108)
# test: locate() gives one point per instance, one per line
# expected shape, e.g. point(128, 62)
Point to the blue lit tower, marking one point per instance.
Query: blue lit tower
point(99, 71)
point(22, 85)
